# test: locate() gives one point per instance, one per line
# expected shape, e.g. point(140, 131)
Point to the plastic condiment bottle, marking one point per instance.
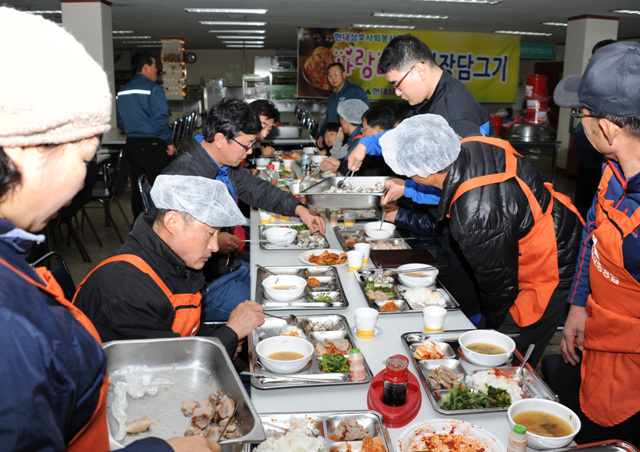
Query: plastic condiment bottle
point(517, 439)
point(273, 174)
point(395, 379)
point(333, 218)
point(356, 365)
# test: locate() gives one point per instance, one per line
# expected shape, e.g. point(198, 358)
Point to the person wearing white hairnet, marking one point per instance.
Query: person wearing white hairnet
point(350, 113)
point(518, 236)
point(151, 286)
point(54, 377)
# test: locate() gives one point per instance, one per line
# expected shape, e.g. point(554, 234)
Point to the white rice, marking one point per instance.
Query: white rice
point(295, 440)
point(478, 380)
point(419, 297)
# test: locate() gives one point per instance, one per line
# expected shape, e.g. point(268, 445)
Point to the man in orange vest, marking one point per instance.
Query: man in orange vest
point(151, 286)
point(517, 235)
point(602, 331)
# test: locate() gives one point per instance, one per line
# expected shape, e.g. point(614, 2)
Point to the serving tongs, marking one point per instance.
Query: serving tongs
point(212, 416)
point(340, 183)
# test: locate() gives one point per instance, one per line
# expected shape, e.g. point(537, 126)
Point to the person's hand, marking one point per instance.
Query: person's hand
point(394, 190)
point(267, 151)
point(320, 141)
point(391, 210)
point(171, 149)
point(312, 219)
point(193, 444)
point(356, 157)
point(573, 334)
point(322, 152)
point(253, 171)
point(238, 348)
point(330, 162)
point(227, 242)
point(245, 318)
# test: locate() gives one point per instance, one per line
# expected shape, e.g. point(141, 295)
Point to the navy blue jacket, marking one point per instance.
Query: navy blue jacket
point(142, 110)
point(348, 91)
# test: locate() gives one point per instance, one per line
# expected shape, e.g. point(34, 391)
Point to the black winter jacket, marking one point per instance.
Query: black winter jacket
point(487, 222)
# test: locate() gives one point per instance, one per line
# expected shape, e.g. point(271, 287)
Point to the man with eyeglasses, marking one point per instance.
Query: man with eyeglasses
point(229, 133)
point(602, 330)
point(343, 89)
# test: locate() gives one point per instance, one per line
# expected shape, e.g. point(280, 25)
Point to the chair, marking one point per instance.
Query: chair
point(145, 192)
point(55, 263)
point(111, 192)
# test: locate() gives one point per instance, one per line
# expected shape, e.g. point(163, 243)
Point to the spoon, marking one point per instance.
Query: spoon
point(524, 361)
point(290, 319)
point(384, 214)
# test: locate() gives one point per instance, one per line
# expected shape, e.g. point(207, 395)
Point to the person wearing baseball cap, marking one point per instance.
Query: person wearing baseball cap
point(603, 325)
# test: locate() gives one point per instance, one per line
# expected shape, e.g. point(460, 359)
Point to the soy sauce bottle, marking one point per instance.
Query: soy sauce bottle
point(395, 379)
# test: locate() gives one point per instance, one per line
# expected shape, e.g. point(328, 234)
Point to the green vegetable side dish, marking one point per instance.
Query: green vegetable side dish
point(333, 363)
point(321, 298)
point(299, 227)
point(380, 287)
point(462, 398)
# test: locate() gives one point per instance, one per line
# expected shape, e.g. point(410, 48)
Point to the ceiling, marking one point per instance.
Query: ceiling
point(168, 19)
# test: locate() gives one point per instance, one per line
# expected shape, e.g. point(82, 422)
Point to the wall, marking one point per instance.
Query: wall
point(228, 64)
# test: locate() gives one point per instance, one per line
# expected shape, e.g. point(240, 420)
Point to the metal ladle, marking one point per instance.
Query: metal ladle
point(524, 361)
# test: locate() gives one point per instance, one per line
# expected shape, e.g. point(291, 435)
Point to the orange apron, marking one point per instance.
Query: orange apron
point(187, 306)
point(536, 282)
point(611, 362)
point(94, 436)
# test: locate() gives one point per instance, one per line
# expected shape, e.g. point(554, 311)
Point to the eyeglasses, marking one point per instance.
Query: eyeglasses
point(397, 85)
point(246, 148)
point(335, 74)
point(577, 113)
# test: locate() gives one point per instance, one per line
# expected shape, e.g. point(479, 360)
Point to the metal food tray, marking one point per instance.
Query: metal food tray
point(324, 424)
point(338, 328)
point(532, 384)
point(316, 199)
point(402, 304)
point(347, 234)
point(296, 245)
point(194, 366)
point(329, 285)
point(602, 446)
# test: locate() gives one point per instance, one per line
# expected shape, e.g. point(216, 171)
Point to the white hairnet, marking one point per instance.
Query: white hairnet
point(352, 110)
point(420, 146)
point(206, 200)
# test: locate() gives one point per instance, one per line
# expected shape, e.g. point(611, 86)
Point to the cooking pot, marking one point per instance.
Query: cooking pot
point(523, 131)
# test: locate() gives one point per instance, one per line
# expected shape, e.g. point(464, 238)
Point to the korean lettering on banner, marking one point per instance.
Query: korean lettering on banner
point(486, 64)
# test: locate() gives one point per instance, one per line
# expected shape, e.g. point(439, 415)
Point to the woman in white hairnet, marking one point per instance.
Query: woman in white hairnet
point(518, 236)
point(54, 104)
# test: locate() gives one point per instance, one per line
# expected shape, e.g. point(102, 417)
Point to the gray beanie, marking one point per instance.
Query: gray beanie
point(352, 110)
point(51, 90)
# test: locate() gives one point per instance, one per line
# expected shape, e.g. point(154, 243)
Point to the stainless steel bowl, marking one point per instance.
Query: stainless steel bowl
point(523, 131)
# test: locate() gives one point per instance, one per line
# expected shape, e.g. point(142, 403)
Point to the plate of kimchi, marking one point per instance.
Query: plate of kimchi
point(324, 257)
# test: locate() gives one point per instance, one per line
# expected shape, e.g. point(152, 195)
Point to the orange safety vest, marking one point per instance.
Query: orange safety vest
point(536, 282)
point(94, 436)
point(187, 306)
point(611, 362)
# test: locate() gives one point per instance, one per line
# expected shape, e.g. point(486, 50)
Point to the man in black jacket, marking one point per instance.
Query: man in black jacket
point(228, 136)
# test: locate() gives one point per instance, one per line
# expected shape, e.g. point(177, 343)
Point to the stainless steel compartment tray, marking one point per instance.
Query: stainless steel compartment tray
point(329, 285)
point(333, 326)
point(317, 199)
point(298, 243)
point(324, 424)
point(602, 446)
point(194, 368)
point(398, 290)
point(532, 384)
point(348, 235)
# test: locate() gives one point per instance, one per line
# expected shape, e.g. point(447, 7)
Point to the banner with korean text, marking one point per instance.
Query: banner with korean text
point(487, 64)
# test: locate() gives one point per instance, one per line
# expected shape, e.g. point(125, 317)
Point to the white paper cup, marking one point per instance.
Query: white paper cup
point(434, 318)
point(349, 217)
point(295, 187)
point(365, 249)
point(354, 260)
point(276, 165)
point(366, 319)
point(265, 217)
point(287, 164)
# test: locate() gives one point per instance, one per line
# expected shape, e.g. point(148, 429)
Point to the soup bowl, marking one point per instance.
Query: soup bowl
point(280, 236)
point(374, 230)
point(486, 337)
point(546, 406)
point(271, 345)
point(424, 277)
point(284, 287)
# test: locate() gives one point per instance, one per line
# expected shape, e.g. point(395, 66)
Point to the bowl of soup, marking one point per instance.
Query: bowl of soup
point(550, 425)
point(280, 236)
point(486, 348)
point(417, 275)
point(284, 354)
point(377, 230)
point(284, 287)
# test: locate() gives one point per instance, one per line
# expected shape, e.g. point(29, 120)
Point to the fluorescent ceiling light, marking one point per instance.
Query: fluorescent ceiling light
point(234, 46)
point(523, 33)
point(235, 23)
point(625, 11)
point(409, 16)
point(555, 24)
point(477, 2)
point(122, 32)
point(49, 11)
point(401, 27)
point(238, 31)
point(131, 37)
point(226, 10)
point(240, 37)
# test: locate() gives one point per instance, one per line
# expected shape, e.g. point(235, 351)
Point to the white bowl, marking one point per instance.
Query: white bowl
point(280, 236)
point(317, 159)
point(544, 442)
point(491, 337)
point(296, 283)
point(284, 343)
point(262, 161)
point(373, 230)
point(309, 150)
point(408, 280)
